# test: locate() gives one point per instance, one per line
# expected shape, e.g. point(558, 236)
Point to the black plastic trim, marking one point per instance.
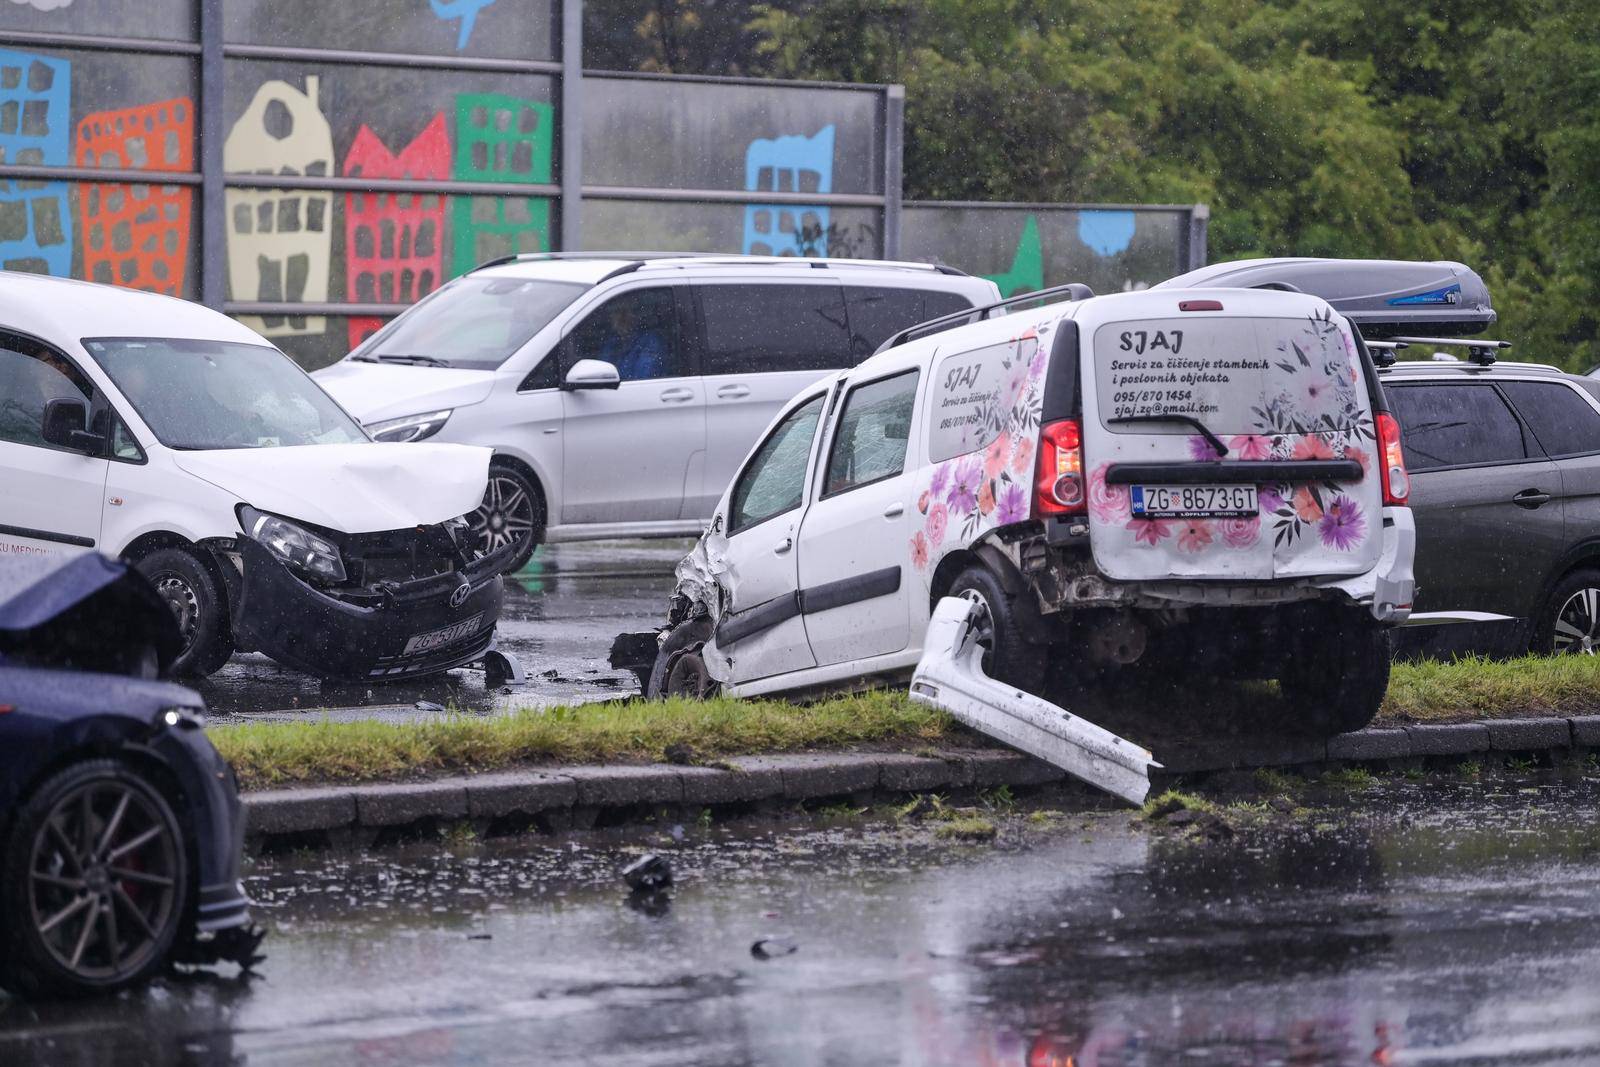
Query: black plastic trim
point(819, 598)
point(1061, 393)
point(46, 535)
point(1264, 472)
point(751, 621)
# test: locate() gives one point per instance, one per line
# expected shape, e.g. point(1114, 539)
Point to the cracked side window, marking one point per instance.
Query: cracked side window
point(873, 432)
point(775, 479)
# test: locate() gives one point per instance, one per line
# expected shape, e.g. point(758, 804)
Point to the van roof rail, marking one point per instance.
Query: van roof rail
point(1055, 294)
point(637, 260)
point(528, 257)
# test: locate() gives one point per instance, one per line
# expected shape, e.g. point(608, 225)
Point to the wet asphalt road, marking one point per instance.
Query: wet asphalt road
point(561, 613)
point(1420, 923)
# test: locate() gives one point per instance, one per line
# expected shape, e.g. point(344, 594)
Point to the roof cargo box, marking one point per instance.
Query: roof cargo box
point(1385, 297)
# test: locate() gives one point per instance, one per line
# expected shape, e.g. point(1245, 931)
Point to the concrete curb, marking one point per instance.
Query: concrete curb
point(577, 795)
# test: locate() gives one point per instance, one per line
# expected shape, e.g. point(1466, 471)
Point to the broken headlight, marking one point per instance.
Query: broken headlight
point(295, 545)
point(409, 428)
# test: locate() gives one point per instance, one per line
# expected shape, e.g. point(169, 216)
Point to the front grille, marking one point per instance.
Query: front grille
point(399, 555)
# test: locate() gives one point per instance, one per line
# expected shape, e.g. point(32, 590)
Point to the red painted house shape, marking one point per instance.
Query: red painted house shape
point(394, 242)
point(136, 234)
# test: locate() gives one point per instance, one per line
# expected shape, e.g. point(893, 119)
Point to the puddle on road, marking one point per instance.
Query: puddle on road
point(1413, 922)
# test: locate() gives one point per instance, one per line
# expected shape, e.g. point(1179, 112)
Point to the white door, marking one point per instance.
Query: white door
point(628, 451)
point(763, 635)
point(52, 497)
point(762, 343)
point(854, 542)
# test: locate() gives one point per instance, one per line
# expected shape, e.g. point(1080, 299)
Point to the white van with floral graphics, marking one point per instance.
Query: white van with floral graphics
point(1204, 482)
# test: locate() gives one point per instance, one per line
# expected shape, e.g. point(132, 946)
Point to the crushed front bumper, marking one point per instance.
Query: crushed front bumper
point(390, 632)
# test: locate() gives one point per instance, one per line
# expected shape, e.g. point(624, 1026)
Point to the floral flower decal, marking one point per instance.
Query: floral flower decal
point(919, 551)
point(1200, 450)
point(1312, 447)
point(938, 522)
point(923, 501)
point(1022, 456)
point(1014, 505)
point(1109, 503)
point(962, 496)
point(1252, 446)
point(996, 455)
point(1306, 506)
point(986, 498)
point(1150, 531)
point(1342, 526)
point(1360, 456)
point(1194, 535)
point(1240, 533)
point(941, 479)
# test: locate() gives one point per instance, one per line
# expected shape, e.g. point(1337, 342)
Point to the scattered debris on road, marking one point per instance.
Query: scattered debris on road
point(648, 873)
point(950, 677)
point(770, 948)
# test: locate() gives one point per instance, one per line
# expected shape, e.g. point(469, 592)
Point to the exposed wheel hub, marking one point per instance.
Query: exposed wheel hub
point(180, 597)
point(1577, 628)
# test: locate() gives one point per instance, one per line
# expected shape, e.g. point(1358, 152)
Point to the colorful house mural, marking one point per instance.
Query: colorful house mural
point(394, 242)
point(280, 242)
point(35, 130)
point(791, 164)
point(500, 139)
point(1107, 233)
point(137, 235)
point(1027, 263)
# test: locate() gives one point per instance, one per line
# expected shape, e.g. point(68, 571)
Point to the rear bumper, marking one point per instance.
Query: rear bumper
point(1389, 588)
point(408, 631)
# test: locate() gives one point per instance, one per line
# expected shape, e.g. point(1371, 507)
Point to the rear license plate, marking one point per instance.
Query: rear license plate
point(1194, 501)
point(439, 638)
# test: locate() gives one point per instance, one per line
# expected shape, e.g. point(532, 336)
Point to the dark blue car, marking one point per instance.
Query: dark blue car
point(120, 825)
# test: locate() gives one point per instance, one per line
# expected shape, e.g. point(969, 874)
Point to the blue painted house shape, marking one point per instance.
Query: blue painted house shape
point(35, 129)
point(790, 164)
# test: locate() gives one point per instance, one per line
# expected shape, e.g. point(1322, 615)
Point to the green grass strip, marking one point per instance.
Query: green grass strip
point(1472, 688)
point(280, 753)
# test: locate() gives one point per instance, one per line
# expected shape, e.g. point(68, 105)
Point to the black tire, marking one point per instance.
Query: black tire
point(198, 603)
point(97, 842)
point(680, 667)
point(1336, 674)
point(1011, 658)
point(1569, 618)
point(512, 512)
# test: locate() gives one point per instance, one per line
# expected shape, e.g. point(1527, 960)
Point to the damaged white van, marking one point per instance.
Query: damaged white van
point(1203, 481)
point(169, 435)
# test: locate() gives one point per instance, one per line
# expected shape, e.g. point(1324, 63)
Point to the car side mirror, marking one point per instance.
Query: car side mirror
point(592, 374)
point(65, 425)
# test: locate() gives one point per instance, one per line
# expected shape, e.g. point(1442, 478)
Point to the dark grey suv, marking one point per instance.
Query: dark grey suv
point(1505, 469)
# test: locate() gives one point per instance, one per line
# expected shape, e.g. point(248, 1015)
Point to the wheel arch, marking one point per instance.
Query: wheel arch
point(156, 540)
point(528, 471)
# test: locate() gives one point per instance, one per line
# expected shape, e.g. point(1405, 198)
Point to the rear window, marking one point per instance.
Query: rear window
point(1562, 420)
point(1455, 425)
point(756, 329)
point(1236, 375)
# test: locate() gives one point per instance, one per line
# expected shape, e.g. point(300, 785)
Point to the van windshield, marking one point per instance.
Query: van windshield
point(474, 322)
point(1267, 376)
point(202, 395)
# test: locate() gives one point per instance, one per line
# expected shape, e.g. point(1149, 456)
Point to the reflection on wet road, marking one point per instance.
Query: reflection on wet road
point(1420, 924)
point(561, 613)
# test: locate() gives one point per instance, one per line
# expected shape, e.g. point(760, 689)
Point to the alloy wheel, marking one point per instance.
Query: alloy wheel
point(688, 676)
point(1577, 623)
point(102, 879)
point(180, 597)
point(505, 517)
point(982, 627)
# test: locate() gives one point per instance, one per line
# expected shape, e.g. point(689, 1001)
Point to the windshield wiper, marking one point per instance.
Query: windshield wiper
point(421, 361)
point(1172, 416)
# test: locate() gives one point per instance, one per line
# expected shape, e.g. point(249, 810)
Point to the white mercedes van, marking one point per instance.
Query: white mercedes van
point(169, 435)
point(1204, 479)
point(620, 390)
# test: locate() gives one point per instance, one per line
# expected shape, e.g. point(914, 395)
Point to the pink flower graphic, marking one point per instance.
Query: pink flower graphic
point(922, 502)
point(1240, 533)
point(1022, 455)
point(919, 551)
point(1109, 503)
point(1342, 525)
point(986, 498)
point(1249, 446)
point(1013, 505)
point(1150, 531)
point(1360, 456)
point(1312, 447)
point(941, 478)
point(1200, 449)
point(1269, 498)
point(962, 496)
point(995, 456)
point(938, 522)
point(1194, 535)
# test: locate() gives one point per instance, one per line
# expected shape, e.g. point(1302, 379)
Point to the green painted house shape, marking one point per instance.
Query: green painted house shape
point(500, 138)
point(1027, 264)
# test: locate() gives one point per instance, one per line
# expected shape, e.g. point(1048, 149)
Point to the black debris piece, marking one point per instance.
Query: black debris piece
point(770, 948)
point(648, 873)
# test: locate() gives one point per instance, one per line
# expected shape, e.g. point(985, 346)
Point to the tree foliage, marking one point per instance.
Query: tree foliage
point(1392, 128)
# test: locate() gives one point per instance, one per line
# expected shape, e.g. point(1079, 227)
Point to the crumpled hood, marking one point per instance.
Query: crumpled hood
point(373, 392)
point(358, 488)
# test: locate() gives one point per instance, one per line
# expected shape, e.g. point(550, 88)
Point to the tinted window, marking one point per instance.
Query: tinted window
point(30, 375)
point(752, 329)
point(1559, 417)
point(878, 314)
point(775, 479)
point(871, 442)
point(636, 332)
point(1452, 425)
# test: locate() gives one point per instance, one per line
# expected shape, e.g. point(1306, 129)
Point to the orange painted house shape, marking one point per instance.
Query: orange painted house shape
point(137, 234)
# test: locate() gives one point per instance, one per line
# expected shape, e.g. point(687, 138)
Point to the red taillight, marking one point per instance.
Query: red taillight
point(1396, 482)
point(1060, 490)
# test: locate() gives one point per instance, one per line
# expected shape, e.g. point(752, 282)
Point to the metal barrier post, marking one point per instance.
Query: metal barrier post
point(894, 143)
point(570, 157)
point(213, 206)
